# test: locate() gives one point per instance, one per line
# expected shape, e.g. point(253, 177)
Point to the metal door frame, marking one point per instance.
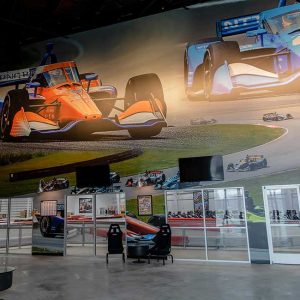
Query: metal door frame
point(280, 258)
point(204, 227)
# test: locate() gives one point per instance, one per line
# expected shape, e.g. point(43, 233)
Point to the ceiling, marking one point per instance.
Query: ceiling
point(26, 21)
point(33, 20)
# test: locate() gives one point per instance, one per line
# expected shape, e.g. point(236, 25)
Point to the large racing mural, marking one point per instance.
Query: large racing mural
point(206, 80)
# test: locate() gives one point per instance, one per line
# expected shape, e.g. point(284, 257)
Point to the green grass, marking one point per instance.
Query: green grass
point(158, 206)
point(216, 139)
point(230, 136)
point(10, 158)
point(251, 217)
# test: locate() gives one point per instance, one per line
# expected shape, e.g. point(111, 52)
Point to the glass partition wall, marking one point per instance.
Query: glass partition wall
point(16, 225)
point(208, 224)
point(4, 234)
point(88, 220)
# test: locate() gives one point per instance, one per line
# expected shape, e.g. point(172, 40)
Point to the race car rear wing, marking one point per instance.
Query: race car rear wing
point(16, 77)
point(238, 25)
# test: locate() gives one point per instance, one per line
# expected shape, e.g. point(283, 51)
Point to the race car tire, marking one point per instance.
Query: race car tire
point(198, 77)
point(215, 56)
point(13, 102)
point(144, 133)
point(45, 226)
point(198, 84)
point(197, 80)
point(145, 86)
point(265, 163)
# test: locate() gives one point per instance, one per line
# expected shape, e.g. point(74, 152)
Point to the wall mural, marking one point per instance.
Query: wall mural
point(143, 93)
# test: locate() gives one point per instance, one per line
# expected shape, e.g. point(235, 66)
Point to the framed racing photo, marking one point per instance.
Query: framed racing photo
point(144, 205)
point(85, 205)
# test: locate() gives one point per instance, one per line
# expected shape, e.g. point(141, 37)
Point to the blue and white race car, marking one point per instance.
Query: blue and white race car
point(266, 59)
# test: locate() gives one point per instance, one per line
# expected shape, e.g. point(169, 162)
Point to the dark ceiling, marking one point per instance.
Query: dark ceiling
point(26, 21)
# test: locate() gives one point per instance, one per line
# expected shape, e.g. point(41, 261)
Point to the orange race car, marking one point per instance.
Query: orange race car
point(58, 102)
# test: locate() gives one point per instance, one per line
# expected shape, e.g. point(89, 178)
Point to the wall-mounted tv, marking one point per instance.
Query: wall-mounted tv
point(92, 176)
point(205, 168)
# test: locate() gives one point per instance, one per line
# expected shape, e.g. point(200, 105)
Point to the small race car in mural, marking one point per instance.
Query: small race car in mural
point(171, 183)
point(114, 177)
point(276, 117)
point(202, 121)
point(216, 68)
point(148, 178)
point(249, 163)
point(152, 177)
point(58, 102)
point(54, 184)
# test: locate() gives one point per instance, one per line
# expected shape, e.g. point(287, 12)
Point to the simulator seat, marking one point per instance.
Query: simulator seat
point(115, 241)
point(162, 247)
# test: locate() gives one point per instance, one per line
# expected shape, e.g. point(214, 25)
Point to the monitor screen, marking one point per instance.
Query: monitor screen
point(205, 168)
point(93, 176)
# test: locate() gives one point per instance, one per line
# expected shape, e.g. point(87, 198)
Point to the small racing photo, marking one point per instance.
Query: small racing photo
point(85, 205)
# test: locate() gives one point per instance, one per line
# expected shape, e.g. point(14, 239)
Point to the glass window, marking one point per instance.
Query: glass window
point(55, 77)
point(285, 22)
point(72, 74)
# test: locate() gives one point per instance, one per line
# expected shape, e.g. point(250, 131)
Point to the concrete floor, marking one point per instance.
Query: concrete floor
point(89, 278)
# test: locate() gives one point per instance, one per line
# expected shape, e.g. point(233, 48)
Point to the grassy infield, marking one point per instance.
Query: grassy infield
point(224, 139)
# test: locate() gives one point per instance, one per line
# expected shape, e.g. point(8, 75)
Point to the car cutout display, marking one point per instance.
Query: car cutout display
point(249, 163)
point(276, 117)
point(103, 189)
point(218, 69)
point(58, 102)
point(54, 184)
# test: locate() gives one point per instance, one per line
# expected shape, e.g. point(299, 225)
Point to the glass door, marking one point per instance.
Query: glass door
point(208, 224)
point(20, 225)
point(80, 225)
point(283, 224)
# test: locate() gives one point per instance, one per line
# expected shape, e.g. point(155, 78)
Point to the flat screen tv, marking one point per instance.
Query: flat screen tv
point(205, 168)
point(93, 176)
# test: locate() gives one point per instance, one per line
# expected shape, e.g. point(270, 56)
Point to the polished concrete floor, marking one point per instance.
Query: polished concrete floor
point(89, 278)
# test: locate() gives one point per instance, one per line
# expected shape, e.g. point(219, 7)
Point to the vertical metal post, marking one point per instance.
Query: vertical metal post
point(94, 225)
point(20, 236)
point(83, 233)
point(8, 224)
point(65, 225)
point(204, 221)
